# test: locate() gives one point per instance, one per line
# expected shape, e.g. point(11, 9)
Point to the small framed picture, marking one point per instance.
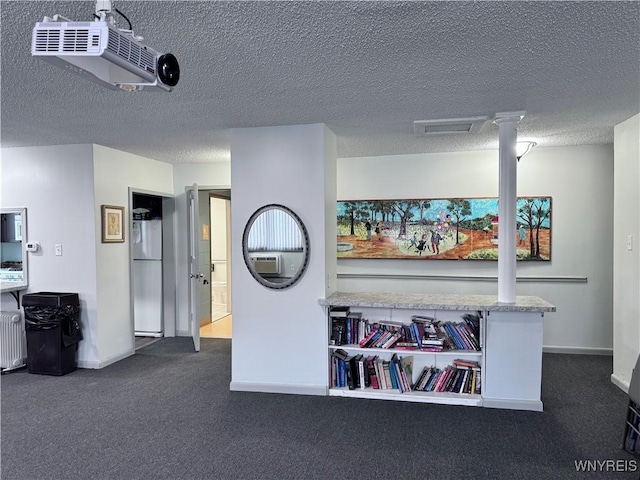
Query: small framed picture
point(112, 224)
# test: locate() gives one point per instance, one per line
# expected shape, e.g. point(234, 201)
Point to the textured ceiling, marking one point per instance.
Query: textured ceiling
point(365, 69)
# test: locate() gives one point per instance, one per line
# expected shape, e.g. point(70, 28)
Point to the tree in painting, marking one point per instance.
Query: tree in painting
point(534, 212)
point(460, 209)
point(403, 209)
point(353, 211)
point(423, 205)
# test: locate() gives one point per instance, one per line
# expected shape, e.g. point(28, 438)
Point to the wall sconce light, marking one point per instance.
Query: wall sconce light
point(522, 148)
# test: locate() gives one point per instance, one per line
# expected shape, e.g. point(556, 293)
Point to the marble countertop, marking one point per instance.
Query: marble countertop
point(436, 302)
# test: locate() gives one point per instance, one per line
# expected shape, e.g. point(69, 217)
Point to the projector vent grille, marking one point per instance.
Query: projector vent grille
point(131, 52)
point(66, 40)
point(47, 41)
point(75, 40)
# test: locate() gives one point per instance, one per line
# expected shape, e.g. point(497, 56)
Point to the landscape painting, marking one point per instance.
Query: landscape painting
point(440, 229)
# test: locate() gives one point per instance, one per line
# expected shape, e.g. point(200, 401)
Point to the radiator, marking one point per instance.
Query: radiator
point(12, 341)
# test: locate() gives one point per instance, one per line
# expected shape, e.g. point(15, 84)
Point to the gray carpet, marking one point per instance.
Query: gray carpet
point(167, 413)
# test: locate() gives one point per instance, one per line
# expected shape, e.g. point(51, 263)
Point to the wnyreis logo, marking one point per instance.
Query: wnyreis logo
point(606, 465)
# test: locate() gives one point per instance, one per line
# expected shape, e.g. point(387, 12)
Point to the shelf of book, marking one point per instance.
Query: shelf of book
point(427, 341)
point(406, 355)
point(445, 398)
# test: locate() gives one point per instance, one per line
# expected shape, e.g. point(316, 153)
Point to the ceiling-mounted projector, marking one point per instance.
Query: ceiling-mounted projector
point(112, 57)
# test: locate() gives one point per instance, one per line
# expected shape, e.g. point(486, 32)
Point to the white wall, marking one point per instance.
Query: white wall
point(291, 166)
point(580, 182)
point(208, 177)
point(626, 263)
point(114, 173)
point(56, 186)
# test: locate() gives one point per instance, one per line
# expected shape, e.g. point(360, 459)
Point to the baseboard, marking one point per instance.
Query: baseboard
point(278, 388)
point(511, 404)
point(621, 384)
point(97, 365)
point(88, 364)
point(579, 350)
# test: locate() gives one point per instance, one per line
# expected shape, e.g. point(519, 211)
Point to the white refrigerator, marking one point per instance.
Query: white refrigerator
point(146, 236)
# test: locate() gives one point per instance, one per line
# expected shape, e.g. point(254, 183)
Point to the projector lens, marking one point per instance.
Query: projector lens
point(168, 69)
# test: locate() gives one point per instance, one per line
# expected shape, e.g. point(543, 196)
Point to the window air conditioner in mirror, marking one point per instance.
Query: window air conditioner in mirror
point(266, 264)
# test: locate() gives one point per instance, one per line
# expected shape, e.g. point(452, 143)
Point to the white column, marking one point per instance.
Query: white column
point(507, 197)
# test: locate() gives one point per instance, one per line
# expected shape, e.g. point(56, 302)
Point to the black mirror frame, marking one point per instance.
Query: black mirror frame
point(305, 249)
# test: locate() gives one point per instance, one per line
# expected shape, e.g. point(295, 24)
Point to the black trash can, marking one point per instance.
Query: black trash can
point(52, 323)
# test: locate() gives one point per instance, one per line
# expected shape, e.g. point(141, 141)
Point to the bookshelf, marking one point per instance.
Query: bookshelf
point(508, 353)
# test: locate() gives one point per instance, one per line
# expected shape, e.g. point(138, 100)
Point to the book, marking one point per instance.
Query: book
point(437, 377)
point(350, 373)
point(421, 378)
point(386, 335)
point(407, 366)
point(387, 374)
point(337, 331)
point(422, 319)
point(448, 343)
point(339, 311)
point(459, 345)
point(373, 375)
point(390, 341)
point(473, 337)
point(473, 321)
point(390, 325)
point(382, 381)
point(463, 381)
point(362, 380)
point(462, 375)
point(394, 367)
point(393, 373)
point(469, 335)
point(340, 353)
point(459, 362)
point(355, 370)
point(474, 382)
point(334, 366)
point(365, 341)
point(445, 381)
point(342, 374)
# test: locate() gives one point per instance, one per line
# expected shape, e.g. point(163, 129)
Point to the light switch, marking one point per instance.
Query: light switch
point(630, 242)
point(58, 249)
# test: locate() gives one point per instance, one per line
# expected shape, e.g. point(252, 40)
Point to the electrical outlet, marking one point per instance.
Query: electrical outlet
point(58, 248)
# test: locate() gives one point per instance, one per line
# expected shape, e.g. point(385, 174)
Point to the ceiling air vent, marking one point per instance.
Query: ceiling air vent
point(423, 128)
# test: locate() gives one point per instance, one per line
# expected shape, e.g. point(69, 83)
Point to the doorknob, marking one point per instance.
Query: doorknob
point(196, 275)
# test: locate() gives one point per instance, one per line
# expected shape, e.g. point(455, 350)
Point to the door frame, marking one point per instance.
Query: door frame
point(192, 194)
point(225, 194)
point(169, 294)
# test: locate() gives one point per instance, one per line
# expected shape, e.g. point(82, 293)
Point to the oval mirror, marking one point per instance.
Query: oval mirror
point(275, 246)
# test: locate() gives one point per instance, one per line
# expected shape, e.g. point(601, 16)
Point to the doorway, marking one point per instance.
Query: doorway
point(151, 256)
point(218, 251)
